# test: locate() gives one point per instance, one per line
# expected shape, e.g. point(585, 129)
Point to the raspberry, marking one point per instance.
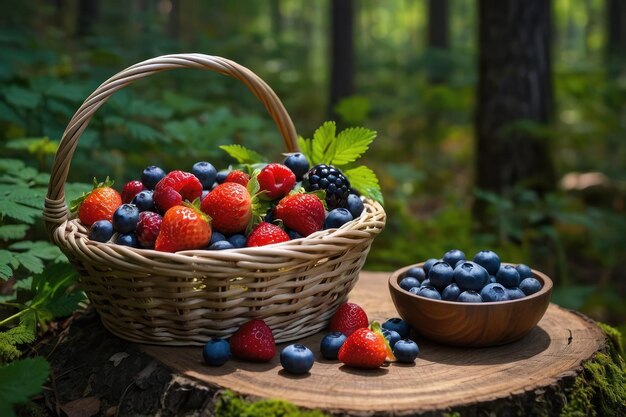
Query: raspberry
point(148, 228)
point(330, 179)
point(239, 177)
point(130, 190)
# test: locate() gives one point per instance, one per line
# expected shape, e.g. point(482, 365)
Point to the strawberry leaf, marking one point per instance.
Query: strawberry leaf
point(365, 181)
point(323, 144)
point(243, 155)
point(350, 144)
point(306, 148)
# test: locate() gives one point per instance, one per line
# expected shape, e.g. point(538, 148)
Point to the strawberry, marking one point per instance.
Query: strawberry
point(276, 180)
point(176, 187)
point(230, 207)
point(266, 234)
point(99, 204)
point(183, 227)
point(148, 228)
point(253, 341)
point(348, 318)
point(238, 177)
point(130, 190)
point(366, 348)
point(301, 212)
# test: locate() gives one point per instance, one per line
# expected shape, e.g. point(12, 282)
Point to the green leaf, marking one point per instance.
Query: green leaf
point(66, 304)
point(365, 181)
point(11, 165)
point(21, 97)
point(18, 335)
point(23, 284)
point(8, 115)
point(22, 379)
point(323, 146)
point(351, 143)
point(243, 155)
point(13, 231)
point(6, 259)
point(18, 211)
point(29, 261)
point(6, 409)
point(142, 132)
point(41, 249)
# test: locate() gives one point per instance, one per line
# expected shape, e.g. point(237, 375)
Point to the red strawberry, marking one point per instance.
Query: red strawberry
point(99, 204)
point(366, 348)
point(253, 341)
point(238, 177)
point(230, 207)
point(148, 228)
point(130, 190)
point(303, 213)
point(276, 180)
point(176, 187)
point(348, 318)
point(266, 234)
point(183, 227)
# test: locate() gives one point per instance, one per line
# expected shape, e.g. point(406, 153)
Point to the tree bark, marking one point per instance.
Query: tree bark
point(174, 19)
point(438, 36)
point(276, 16)
point(514, 88)
point(342, 52)
point(616, 36)
point(88, 11)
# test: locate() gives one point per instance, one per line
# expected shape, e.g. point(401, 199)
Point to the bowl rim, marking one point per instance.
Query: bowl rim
point(546, 288)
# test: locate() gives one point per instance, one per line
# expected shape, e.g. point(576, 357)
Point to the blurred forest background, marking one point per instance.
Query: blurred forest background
point(499, 126)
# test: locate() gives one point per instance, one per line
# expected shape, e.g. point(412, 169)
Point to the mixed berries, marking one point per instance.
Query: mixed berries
point(483, 279)
point(352, 340)
point(218, 210)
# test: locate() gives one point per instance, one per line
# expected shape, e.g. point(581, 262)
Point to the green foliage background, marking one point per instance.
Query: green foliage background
point(423, 155)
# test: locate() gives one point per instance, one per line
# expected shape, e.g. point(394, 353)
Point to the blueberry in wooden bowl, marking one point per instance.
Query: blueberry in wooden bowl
point(471, 324)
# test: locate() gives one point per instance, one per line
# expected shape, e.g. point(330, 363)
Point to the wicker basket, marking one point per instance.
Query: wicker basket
point(187, 297)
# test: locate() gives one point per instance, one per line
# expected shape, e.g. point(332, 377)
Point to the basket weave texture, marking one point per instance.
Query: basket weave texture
point(187, 297)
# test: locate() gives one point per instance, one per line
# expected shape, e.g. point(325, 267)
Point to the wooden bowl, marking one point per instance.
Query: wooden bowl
point(470, 324)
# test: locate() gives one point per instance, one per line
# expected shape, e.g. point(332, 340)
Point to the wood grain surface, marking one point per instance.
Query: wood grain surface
point(442, 376)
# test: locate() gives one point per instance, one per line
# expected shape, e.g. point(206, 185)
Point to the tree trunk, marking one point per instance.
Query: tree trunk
point(514, 98)
point(174, 19)
point(276, 16)
point(342, 52)
point(438, 24)
point(616, 39)
point(88, 11)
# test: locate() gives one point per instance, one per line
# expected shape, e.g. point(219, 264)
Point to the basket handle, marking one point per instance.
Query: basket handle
point(56, 211)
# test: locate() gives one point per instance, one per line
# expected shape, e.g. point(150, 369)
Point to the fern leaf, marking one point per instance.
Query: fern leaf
point(13, 231)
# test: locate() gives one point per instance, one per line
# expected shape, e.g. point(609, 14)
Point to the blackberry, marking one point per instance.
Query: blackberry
point(330, 179)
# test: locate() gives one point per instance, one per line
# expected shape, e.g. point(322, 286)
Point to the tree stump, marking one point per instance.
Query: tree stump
point(534, 373)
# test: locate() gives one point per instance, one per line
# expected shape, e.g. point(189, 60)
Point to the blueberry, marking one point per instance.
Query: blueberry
point(488, 260)
point(530, 285)
point(204, 194)
point(398, 325)
point(515, 293)
point(269, 215)
point(406, 351)
point(494, 292)
point(508, 276)
point(216, 352)
point(469, 297)
point(293, 234)
point(429, 292)
point(440, 274)
point(416, 272)
point(392, 337)
point(524, 271)
point(451, 292)
point(127, 240)
point(470, 276)
point(355, 205)
point(238, 241)
point(221, 245)
point(125, 218)
point(331, 343)
point(408, 283)
point(297, 359)
point(221, 176)
point(492, 279)
point(428, 264)
point(298, 164)
point(426, 283)
point(151, 176)
point(415, 290)
point(452, 257)
point(144, 201)
point(337, 218)
point(216, 237)
point(102, 231)
point(205, 172)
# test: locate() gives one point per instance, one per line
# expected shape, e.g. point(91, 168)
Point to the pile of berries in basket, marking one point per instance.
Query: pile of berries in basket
point(254, 204)
point(352, 340)
point(206, 209)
